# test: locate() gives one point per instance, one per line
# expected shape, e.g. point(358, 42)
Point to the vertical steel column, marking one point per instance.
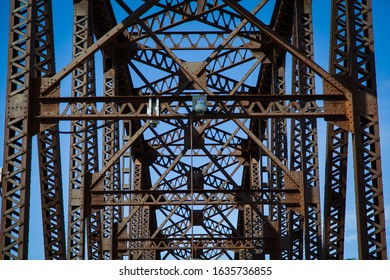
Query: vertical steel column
point(248, 231)
point(112, 180)
point(94, 235)
point(51, 194)
point(304, 153)
point(148, 254)
point(295, 223)
point(135, 223)
point(256, 221)
point(337, 142)
point(18, 131)
point(352, 62)
point(49, 142)
point(366, 139)
point(42, 62)
point(279, 148)
point(126, 168)
point(83, 146)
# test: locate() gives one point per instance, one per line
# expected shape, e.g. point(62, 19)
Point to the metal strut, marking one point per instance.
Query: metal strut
point(237, 179)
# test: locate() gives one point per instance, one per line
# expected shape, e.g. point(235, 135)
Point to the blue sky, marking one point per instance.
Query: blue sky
point(321, 10)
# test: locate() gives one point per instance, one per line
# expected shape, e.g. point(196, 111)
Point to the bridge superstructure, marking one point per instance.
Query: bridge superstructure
point(201, 142)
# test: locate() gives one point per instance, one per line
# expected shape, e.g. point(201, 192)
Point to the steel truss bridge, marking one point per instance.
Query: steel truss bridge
point(150, 177)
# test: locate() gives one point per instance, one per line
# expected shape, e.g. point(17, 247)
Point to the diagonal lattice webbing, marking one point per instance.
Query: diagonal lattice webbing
point(83, 145)
point(17, 136)
point(304, 144)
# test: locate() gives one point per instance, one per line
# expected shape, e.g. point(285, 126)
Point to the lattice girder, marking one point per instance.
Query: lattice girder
point(238, 179)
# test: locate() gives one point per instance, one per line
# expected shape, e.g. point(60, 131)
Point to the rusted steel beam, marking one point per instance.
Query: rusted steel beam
point(304, 143)
point(366, 138)
point(83, 146)
point(18, 131)
point(337, 144)
point(177, 182)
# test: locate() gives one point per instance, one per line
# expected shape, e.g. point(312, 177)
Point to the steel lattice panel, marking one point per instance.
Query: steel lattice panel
point(152, 177)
